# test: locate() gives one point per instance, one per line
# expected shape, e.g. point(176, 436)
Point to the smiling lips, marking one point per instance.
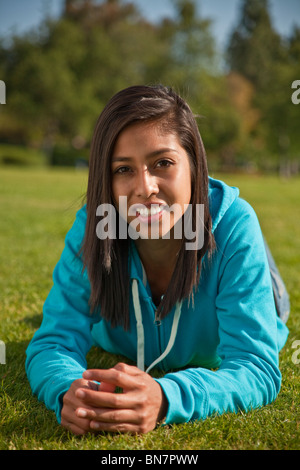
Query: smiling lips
point(148, 212)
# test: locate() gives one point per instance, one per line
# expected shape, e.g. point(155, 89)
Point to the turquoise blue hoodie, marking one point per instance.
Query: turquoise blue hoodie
point(219, 354)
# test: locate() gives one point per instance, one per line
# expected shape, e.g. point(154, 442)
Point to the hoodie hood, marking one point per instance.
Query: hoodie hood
point(221, 197)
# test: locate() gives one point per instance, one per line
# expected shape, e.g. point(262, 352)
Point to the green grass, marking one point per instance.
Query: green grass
point(37, 209)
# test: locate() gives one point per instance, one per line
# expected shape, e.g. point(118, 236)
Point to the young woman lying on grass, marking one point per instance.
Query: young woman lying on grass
point(194, 300)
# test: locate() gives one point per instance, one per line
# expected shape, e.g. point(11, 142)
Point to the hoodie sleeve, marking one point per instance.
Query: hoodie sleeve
point(56, 354)
point(248, 376)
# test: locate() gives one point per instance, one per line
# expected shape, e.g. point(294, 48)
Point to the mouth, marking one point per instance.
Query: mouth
point(148, 213)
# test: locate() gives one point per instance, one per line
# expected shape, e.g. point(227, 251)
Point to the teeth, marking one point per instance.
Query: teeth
point(144, 212)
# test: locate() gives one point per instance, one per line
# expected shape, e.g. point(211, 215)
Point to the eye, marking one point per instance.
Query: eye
point(121, 170)
point(164, 163)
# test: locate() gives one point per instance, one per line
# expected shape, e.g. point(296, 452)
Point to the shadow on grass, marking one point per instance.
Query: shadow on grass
point(33, 321)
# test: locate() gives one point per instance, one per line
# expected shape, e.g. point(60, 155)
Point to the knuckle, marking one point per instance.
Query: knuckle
point(143, 401)
point(113, 416)
point(142, 419)
point(117, 400)
point(143, 428)
point(121, 427)
point(66, 399)
point(121, 366)
point(63, 422)
point(144, 386)
point(118, 375)
point(75, 384)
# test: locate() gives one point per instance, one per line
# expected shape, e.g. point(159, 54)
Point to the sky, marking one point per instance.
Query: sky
point(18, 16)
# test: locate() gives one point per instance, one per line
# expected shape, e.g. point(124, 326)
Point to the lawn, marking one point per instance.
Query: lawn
point(37, 209)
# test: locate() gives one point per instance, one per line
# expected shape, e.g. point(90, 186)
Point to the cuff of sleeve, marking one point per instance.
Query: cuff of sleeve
point(187, 401)
point(53, 395)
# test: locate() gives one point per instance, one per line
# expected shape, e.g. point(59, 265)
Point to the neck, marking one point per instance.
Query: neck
point(159, 259)
point(158, 254)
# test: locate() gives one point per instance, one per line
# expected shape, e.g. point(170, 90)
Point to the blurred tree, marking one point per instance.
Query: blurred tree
point(61, 75)
point(255, 46)
point(219, 121)
point(258, 53)
point(194, 71)
point(294, 46)
point(281, 113)
point(43, 83)
point(193, 45)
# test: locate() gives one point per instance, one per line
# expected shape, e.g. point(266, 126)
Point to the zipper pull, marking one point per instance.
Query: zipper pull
point(157, 319)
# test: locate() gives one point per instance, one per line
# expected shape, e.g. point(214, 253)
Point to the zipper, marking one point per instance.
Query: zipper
point(157, 319)
point(157, 323)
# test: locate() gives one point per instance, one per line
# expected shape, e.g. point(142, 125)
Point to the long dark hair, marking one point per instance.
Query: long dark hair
point(106, 260)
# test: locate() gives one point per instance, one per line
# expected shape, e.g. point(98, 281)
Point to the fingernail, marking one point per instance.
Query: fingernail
point(80, 394)
point(95, 425)
point(81, 413)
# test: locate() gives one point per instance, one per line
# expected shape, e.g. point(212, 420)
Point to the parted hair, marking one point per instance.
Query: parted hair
point(106, 261)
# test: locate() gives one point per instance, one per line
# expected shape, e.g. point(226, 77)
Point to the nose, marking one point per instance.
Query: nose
point(145, 184)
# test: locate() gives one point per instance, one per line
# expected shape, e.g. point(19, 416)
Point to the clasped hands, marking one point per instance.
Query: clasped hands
point(91, 407)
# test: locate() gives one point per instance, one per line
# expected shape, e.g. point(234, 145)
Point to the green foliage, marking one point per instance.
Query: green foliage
point(271, 64)
point(60, 76)
point(66, 156)
point(255, 47)
point(16, 155)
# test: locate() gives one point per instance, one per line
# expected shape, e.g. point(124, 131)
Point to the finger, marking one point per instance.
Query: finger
point(105, 387)
point(113, 376)
point(92, 399)
point(76, 429)
point(107, 415)
point(71, 403)
point(76, 425)
point(131, 370)
point(117, 427)
point(121, 366)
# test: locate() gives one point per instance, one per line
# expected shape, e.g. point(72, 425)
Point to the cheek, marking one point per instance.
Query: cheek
point(184, 185)
point(121, 190)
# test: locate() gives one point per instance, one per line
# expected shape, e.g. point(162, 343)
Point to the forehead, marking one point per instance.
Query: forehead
point(144, 135)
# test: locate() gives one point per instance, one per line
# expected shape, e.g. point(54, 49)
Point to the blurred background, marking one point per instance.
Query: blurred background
point(234, 61)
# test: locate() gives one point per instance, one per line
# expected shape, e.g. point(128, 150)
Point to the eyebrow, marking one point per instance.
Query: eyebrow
point(155, 153)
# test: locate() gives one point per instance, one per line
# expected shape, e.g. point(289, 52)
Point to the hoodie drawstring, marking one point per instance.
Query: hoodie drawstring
point(140, 330)
point(139, 325)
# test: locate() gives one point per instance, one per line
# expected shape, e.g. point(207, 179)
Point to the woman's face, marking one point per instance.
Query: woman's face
point(152, 170)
